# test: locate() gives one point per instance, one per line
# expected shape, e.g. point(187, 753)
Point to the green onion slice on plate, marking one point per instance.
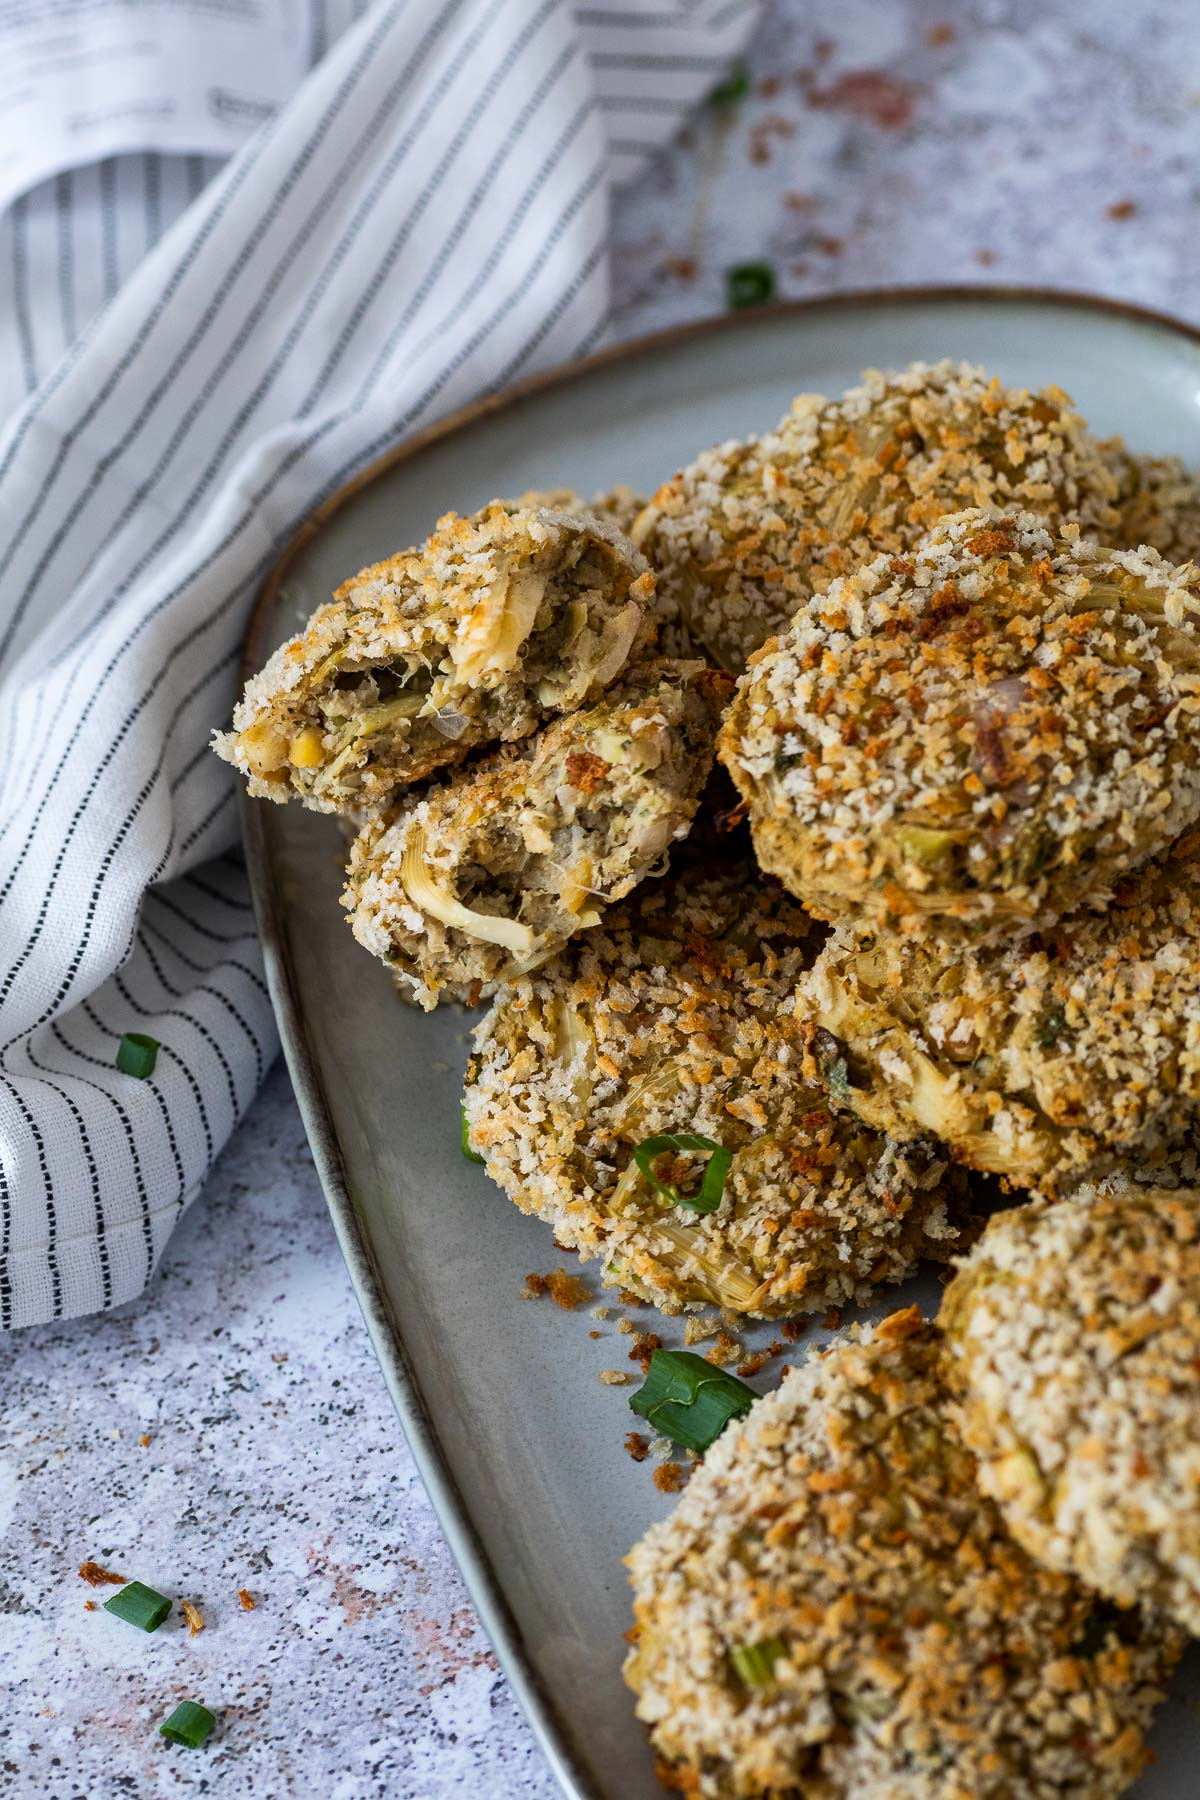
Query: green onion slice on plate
point(189, 1724)
point(713, 1185)
point(754, 1664)
point(137, 1055)
point(689, 1400)
point(139, 1605)
point(471, 1155)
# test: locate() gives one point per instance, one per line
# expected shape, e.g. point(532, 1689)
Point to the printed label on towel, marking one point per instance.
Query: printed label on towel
point(84, 79)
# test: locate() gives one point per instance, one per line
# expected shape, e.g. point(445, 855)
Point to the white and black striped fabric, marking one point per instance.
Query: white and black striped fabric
point(424, 222)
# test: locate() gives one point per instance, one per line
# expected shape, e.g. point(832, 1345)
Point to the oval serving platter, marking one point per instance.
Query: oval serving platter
point(518, 1441)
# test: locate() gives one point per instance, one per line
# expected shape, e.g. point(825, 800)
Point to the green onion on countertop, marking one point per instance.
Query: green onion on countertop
point(749, 284)
point(471, 1155)
point(139, 1605)
point(689, 1400)
point(713, 1185)
point(189, 1724)
point(137, 1055)
point(735, 86)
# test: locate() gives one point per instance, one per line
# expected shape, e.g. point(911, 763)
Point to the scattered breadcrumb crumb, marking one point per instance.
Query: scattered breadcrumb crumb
point(1121, 209)
point(626, 1326)
point(660, 1447)
point(246, 1600)
point(644, 1346)
point(637, 1446)
point(565, 1290)
point(535, 1287)
point(144, 1439)
point(601, 1312)
point(595, 1334)
point(669, 1478)
point(279, 1356)
point(193, 1615)
point(95, 1576)
point(614, 1377)
point(697, 1329)
point(726, 1350)
point(89, 1606)
point(754, 1365)
point(832, 1319)
point(793, 1330)
point(627, 1297)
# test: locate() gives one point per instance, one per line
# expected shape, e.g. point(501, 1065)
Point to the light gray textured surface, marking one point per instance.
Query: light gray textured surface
point(1043, 142)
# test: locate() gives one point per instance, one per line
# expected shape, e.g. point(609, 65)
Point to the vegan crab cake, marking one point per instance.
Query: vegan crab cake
point(747, 533)
point(834, 1611)
point(1044, 1060)
point(486, 875)
point(643, 1094)
point(1073, 1335)
point(970, 741)
point(494, 624)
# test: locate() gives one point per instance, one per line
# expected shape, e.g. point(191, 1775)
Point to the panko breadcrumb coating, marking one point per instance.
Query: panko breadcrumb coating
point(970, 741)
point(747, 533)
point(1073, 1333)
point(495, 624)
point(1044, 1060)
point(834, 1611)
point(483, 877)
point(1158, 503)
point(677, 1015)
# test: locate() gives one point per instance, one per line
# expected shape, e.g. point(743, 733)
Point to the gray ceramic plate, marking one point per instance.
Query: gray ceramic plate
point(518, 1442)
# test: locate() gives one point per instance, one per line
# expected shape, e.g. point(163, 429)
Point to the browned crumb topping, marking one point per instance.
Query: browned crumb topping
point(246, 1600)
point(586, 771)
point(193, 1615)
point(95, 1576)
point(637, 1446)
point(669, 1477)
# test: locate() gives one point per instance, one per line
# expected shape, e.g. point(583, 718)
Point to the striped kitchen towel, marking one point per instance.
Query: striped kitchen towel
point(424, 222)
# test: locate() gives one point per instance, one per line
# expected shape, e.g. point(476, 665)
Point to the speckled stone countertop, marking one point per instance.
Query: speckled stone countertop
point(232, 1430)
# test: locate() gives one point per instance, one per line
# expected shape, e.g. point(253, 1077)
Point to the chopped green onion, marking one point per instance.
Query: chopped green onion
point(189, 1724)
point(471, 1155)
point(713, 1185)
point(690, 1400)
point(139, 1605)
point(137, 1055)
point(735, 86)
point(749, 284)
point(754, 1664)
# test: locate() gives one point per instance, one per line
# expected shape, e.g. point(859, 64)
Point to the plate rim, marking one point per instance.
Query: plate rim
point(551, 1731)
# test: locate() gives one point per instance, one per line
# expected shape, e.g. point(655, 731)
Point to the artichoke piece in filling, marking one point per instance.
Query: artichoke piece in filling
point(1060, 1056)
point(676, 1018)
point(1074, 1339)
point(494, 624)
point(485, 876)
point(969, 742)
point(834, 1611)
point(750, 531)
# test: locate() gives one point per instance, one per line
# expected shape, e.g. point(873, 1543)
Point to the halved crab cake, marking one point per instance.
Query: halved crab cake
point(975, 739)
point(1043, 1060)
point(643, 1094)
point(747, 533)
point(484, 876)
point(1073, 1333)
point(834, 1611)
point(1158, 503)
point(494, 624)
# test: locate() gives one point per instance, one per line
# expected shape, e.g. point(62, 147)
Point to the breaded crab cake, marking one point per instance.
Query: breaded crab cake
point(1158, 503)
point(643, 1094)
point(494, 624)
point(484, 876)
point(1073, 1333)
point(834, 1611)
point(970, 741)
point(747, 533)
point(1043, 1060)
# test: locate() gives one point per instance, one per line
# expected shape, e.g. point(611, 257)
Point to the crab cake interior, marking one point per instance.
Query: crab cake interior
point(1158, 503)
point(1042, 1060)
point(750, 531)
point(973, 740)
point(1074, 1341)
point(835, 1610)
point(486, 876)
point(676, 1017)
point(496, 623)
